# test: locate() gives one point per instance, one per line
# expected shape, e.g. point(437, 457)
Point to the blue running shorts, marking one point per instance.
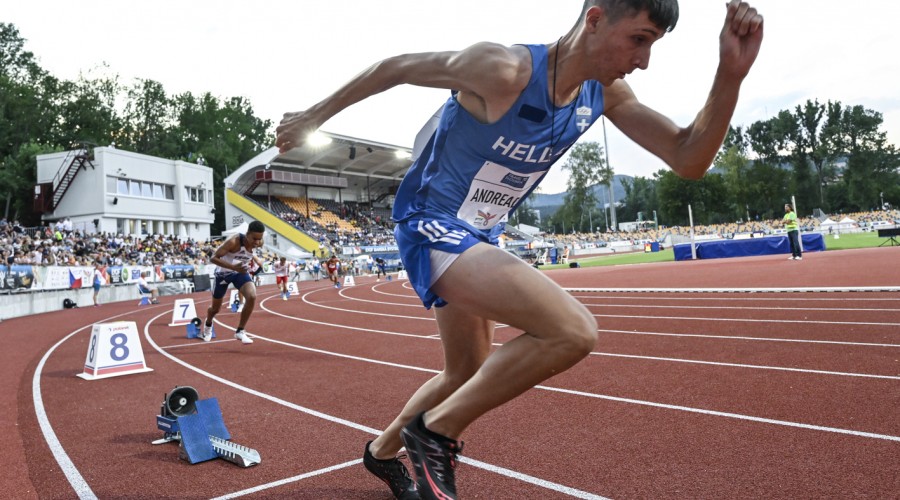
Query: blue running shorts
point(223, 280)
point(418, 237)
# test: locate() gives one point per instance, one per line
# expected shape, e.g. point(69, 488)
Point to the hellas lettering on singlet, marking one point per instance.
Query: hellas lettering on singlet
point(522, 152)
point(494, 191)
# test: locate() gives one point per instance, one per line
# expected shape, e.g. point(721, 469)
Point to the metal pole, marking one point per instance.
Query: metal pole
point(606, 216)
point(591, 219)
point(693, 245)
point(799, 227)
point(612, 203)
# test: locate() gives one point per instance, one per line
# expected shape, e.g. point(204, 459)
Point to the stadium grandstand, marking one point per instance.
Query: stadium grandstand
point(139, 215)
point(332, 195)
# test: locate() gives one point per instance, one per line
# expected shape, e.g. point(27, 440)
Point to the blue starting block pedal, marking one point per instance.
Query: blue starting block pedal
point(193, 329)
point(200, 429)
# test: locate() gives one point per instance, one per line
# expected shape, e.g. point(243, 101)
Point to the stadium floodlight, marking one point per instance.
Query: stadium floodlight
point(318, 139)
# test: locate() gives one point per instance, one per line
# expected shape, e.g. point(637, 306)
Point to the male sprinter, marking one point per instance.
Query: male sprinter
point(514, 111)
point(234, 259)
point(281, 276)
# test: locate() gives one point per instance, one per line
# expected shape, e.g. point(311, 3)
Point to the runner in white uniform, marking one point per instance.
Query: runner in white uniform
point(234, 259)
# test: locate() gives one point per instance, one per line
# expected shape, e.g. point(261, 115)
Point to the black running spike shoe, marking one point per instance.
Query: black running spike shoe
point(433, 458)
point(393, 473)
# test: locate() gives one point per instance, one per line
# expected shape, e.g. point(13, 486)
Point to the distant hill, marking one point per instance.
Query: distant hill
point(548, 204)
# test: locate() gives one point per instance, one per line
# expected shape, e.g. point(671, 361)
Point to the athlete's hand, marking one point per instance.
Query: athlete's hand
point(740, 39)
point(294, 129)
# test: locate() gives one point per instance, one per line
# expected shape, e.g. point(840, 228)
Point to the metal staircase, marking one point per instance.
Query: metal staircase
point(80, 159)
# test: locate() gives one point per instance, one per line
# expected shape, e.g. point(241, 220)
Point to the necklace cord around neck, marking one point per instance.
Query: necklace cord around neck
point(553, 141)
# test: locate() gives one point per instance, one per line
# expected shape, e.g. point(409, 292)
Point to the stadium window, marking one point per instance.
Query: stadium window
point(147, 190)
point(200, 195)
point(158, 191)
point(135, 188)
point(170, 192)
point(122, 186)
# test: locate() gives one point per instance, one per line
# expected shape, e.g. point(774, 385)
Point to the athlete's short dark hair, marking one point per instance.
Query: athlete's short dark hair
point(256, 227)
point(662, 13)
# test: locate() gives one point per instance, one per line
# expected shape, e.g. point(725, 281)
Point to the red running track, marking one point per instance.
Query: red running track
point(697, 395)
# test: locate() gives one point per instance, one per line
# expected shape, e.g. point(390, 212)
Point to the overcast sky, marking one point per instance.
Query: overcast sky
point(285, 56)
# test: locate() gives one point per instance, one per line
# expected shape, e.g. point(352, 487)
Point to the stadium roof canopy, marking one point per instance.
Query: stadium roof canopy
point(364, 165)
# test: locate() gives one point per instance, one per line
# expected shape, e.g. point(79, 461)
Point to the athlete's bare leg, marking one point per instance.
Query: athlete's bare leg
point(213, 309)
point(466, 341)
point(488, 282)
point(248, 291)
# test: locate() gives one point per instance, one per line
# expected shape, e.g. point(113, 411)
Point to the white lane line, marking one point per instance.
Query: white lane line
point(635, 401)
point(314, 304)
point(754, 367)
point(340, 421)
point(743, 308)
point(785, 423)
point(650, 358)
point(294, 479)
point(744, 298)
point(809, 289)
point(760, 339)
point(380, 302)
point(340, 326)
point(746, 320)
point(76, 480)
point(377, 289)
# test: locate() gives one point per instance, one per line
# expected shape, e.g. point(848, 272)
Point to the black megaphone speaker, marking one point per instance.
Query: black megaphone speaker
point(180, 402)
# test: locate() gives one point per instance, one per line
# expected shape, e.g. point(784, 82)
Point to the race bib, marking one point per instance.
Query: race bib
point(494, 191)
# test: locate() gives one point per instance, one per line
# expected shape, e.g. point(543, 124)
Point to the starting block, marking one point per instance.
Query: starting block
point(348, 281)
point(183, 312)
point(402, 275)
point(235, 301)
point(193, 329)
point(145, 301)
point(293, 288)
point(199, 428)
point(114, 350)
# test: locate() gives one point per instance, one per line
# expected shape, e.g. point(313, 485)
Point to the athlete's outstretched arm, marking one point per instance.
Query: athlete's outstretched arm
point(690, 151)
point(480, 71)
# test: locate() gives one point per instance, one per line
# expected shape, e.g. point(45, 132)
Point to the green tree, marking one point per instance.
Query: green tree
point(708, 198)
point(768, 189)
point(17, 178)
point(640, 197)
point(87, 111)
point(872, 163)
point(27, 115)
point(586, 168)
